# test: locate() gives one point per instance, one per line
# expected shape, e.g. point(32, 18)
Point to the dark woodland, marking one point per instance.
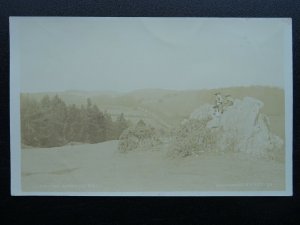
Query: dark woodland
point(50, 122)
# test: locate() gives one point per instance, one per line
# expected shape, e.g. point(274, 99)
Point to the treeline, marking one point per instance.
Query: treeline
point(50, 122)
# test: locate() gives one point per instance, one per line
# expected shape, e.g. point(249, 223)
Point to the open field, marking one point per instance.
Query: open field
point(100, 167)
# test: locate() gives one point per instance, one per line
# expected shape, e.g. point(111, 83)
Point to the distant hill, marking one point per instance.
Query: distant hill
point(164, 108)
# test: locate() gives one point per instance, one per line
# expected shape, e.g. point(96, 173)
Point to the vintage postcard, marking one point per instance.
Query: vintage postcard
point(151, 106)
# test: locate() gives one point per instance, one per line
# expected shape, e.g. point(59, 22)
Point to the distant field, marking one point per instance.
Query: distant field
point(101, 168)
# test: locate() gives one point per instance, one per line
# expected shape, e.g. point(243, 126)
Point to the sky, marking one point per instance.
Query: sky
point(125, 54)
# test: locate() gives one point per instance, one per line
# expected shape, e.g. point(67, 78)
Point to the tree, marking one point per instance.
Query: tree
point(109, 127)
point(30, 112)
point(121, 125)
point(73, 124)
point(50, 122)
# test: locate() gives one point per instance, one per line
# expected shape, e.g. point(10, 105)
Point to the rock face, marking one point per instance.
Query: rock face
point(204, 112)
point(139, 136)
point(241, 127)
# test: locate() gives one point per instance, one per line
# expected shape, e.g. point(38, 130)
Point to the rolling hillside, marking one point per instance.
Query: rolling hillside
point(165, 108)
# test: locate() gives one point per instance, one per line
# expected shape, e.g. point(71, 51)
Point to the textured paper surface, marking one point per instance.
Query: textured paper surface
point(151, 106)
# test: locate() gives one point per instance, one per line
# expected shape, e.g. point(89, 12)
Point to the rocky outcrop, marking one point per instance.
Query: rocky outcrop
point(204, 112)
point(241, 127)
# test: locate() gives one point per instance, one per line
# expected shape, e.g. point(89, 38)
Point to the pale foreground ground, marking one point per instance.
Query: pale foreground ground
point(100, 167)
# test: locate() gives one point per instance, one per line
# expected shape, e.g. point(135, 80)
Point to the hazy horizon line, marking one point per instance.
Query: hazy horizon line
point(148, 89)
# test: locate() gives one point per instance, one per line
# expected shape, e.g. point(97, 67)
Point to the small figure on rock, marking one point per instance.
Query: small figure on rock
point(221, 103)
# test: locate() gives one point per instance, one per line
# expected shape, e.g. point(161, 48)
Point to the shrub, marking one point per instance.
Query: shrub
point(139, 136)
point(192, 137)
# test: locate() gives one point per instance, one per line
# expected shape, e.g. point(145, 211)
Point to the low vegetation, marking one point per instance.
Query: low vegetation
point(192, 138)
point(139, 136)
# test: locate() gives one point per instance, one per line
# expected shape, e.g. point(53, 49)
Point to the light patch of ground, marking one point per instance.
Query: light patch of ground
point(100, 167)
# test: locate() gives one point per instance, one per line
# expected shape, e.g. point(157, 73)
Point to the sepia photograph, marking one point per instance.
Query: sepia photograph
point(115, 106)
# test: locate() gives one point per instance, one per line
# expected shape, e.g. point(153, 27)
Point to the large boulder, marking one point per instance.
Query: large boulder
point(204, 112)
point(241, 127)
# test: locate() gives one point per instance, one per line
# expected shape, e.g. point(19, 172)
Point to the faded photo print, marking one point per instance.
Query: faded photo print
point(151, 106)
